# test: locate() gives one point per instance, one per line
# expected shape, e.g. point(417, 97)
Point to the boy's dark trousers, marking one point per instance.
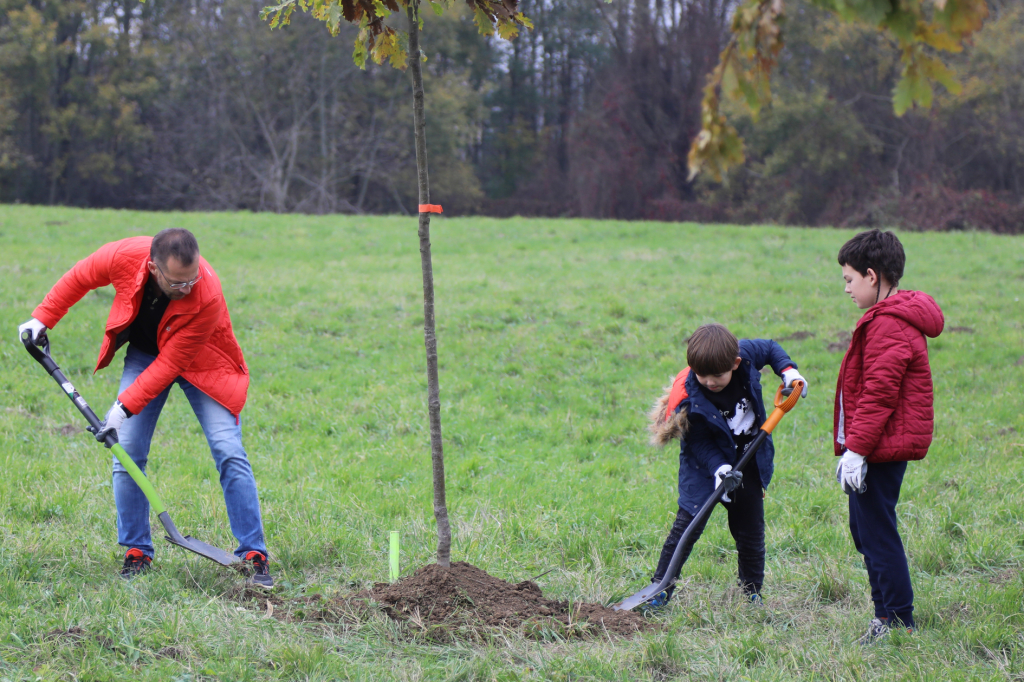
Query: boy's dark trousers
point(746, 523)
point(873, 525)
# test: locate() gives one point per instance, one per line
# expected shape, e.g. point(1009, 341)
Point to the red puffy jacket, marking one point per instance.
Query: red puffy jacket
point(195, 337)
point(884, 392)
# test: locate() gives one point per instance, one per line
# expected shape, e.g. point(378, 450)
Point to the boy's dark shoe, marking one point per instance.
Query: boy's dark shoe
point(258, 568)
point(877, 630)
point(657, 603)
point(135, 563)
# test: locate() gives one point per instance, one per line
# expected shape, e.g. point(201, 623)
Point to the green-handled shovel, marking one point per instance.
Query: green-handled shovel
point(41, 353)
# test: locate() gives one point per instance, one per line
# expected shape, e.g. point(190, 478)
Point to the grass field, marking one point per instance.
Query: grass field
point(554, 338)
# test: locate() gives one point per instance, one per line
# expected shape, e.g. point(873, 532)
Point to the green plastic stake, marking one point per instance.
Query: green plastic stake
point(394, 555)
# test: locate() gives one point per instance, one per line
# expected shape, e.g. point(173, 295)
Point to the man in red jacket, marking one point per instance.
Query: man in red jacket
point(168, 307)
point(883, 414)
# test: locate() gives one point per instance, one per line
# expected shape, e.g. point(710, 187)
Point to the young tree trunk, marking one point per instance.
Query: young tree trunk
point(444, 531)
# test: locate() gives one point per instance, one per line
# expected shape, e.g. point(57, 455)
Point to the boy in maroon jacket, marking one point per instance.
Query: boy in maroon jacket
point(883, 414)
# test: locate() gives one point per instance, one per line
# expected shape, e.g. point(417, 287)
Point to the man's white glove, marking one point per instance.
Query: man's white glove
point(111, 423)
point(852, 473)
point(720, 473)
point(788, 377)
point(34, 326)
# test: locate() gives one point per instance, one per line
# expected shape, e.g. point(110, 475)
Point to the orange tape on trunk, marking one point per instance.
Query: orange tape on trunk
point(430, 208)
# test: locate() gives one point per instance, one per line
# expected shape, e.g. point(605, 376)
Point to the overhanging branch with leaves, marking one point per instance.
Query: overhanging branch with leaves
point(921, 28)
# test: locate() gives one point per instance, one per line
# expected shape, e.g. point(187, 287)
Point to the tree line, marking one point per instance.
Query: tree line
point(197, 105)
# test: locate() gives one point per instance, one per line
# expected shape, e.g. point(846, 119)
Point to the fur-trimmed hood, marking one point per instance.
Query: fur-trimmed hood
point(666, 424)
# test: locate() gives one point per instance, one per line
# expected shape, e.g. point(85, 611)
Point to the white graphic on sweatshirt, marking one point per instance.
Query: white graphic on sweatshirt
point(742, 422)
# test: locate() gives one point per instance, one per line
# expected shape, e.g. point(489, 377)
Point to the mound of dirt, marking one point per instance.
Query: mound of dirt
point(464, 595)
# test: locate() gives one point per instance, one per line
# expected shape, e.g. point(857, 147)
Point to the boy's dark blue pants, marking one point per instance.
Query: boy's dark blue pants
point(746, 523)
point(873, 525)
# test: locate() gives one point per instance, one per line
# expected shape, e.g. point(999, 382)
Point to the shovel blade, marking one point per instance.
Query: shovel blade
point(204, 550)
point(191, 544)
point(641, 597)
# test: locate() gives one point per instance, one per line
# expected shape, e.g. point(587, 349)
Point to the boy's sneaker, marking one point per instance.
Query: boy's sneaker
point(656, 604)
point(259, 571)
point(135, 563)
point(878, 629)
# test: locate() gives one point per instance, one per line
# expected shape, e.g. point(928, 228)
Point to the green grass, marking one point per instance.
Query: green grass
point(554, 338)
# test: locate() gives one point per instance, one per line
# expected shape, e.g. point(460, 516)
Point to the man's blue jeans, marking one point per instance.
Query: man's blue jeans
point(223, 433)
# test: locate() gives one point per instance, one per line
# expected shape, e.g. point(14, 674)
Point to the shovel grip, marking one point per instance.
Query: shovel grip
point(39, 354)
point(782, 406)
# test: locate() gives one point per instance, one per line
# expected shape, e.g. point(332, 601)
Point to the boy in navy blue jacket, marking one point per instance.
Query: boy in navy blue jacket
point(715, 408)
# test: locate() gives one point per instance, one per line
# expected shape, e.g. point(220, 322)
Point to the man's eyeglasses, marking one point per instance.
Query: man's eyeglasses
point(179, 285)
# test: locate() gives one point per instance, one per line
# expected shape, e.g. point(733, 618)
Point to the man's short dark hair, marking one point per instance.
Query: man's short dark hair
point(877, 250)
point(712, 349)
point(177, 242)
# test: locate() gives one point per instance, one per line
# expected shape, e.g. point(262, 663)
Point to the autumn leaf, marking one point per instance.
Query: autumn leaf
point(902, 97)
point(483, 22)
point(280, 15)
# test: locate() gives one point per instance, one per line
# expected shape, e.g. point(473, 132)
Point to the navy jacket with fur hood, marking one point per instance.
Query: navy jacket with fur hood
point(706, 440)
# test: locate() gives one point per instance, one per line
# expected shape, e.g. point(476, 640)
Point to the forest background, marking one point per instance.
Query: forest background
point(197, 105)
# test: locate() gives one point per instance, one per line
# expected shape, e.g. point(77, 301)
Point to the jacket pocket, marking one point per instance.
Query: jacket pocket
point(213, 359)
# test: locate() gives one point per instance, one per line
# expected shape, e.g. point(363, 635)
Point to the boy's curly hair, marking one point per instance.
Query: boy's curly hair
point(877, 250)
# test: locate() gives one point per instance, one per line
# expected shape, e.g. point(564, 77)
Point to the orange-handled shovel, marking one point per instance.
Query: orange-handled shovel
point(729, 483)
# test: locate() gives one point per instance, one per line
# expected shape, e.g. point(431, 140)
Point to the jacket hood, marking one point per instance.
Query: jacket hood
point(914, 307)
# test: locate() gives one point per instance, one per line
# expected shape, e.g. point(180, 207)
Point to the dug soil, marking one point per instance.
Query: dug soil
point(434, 598)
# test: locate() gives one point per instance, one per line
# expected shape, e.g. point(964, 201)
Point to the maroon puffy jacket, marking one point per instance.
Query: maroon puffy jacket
point(884, 392)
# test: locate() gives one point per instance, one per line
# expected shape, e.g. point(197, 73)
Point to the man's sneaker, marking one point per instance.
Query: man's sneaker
point(259, 571)
point(135, 563)
point(878, 629)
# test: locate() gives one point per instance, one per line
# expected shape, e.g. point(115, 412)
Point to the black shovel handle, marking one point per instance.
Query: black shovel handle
point(41, 353)
point(729, 483)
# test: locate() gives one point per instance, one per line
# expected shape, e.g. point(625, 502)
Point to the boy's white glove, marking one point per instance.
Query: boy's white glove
point(852, 473)
point(720, 473)
point(788, 377)
point(34, 326)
